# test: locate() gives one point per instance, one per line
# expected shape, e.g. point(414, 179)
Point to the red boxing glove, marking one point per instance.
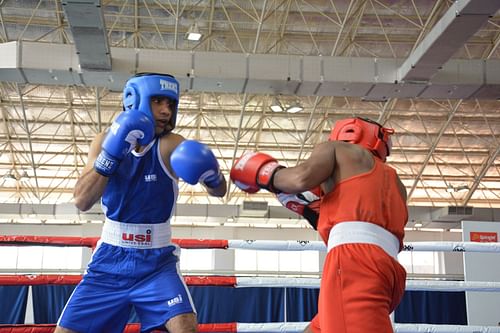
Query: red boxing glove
point(306, 204)
point(254, 171)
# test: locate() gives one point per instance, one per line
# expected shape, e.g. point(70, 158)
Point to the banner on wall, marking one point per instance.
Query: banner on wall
point(483, 237)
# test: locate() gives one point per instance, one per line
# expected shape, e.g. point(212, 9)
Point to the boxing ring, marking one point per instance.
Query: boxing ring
point(249, 282)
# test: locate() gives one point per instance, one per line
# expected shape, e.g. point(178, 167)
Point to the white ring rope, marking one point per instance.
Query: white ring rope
point(270, 327)
point(452, 246)
point(452, 285)
point(427, 328)
point(313, 283)
point(274, 245)
point(298, 327)
point(309, 283)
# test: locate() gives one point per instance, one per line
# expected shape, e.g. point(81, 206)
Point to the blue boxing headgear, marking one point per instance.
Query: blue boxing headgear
point(140, 88)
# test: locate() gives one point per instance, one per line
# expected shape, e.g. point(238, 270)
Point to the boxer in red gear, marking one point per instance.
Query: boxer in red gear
point(362, 217)
point(361, 284)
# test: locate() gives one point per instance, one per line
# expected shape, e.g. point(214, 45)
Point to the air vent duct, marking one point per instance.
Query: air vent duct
point(455, 213)
point(460, 210)
point(254, 209)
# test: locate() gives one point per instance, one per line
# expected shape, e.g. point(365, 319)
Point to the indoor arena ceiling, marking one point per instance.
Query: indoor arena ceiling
point(430, 69)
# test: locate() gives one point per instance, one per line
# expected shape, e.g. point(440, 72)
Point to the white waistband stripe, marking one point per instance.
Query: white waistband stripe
point(363, 232)
point(141, 236)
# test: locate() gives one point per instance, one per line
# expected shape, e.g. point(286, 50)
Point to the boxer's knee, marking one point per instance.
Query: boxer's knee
point(183, 323)
point(60, 329)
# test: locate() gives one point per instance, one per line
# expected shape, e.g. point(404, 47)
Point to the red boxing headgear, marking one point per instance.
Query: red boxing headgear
point(366, 133)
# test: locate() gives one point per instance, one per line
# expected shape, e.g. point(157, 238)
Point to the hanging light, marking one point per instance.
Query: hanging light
point(459, 188)
point(193, 33)
point(294, 108)
point(276, 106)
point(9, 177)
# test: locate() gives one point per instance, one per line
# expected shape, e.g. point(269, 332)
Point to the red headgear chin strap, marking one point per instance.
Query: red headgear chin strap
point(366, 133)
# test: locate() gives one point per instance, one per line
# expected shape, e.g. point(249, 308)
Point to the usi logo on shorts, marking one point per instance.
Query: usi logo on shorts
point(137, 239)
point(176, 300)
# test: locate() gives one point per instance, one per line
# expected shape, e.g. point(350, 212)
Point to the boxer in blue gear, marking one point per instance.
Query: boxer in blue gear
point(131, 169)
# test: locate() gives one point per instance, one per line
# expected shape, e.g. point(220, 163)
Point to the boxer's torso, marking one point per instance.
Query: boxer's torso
point(142, 190)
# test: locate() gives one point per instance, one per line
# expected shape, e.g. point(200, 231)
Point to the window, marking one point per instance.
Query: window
point(40, 257)
point(420, 262)
point(267, 260)
point(197, 259)
point(276, 261)
point(9, 257)
point(53, 258)
point(245, 260)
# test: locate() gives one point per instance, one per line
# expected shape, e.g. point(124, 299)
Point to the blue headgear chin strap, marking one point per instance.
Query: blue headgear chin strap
point(140, 88)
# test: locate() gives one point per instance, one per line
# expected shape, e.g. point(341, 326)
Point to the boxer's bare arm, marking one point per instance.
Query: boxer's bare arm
point(312, 172)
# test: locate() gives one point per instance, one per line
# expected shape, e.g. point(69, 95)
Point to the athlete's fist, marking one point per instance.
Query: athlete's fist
point(130, 128)
point(194, 162)
point(254, 171)
point(305, 204)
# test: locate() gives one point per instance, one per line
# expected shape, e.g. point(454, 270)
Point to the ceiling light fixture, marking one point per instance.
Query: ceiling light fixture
point(294, 108)
point(276, 106)
point(450, 188)
point(9, 177)
point(193, 33)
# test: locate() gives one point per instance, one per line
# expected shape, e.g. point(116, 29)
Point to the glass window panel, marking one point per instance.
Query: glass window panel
point(197, 259)
point(9, 257)
point(309, 261)
point(245, 260)
point(55, 257)
point(289, 261)
point(267, 260)
point(405, 259)
point(420, 262)
point(29, 257)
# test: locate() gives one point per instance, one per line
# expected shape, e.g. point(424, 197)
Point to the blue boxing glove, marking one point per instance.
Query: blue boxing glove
point(129, 129)
point(195, 163)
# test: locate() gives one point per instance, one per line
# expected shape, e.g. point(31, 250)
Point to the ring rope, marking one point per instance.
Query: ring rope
point(242, 282)
point(248, 282)
point(398, 328)
point(298, 245)
point(289, 327)
point(269, 245)
point(412, 285)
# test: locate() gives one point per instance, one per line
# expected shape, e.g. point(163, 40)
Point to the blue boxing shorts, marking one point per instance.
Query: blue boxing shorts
point(119, 279)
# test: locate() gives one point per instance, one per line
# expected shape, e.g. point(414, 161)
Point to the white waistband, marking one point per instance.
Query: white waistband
point(363, 232)
point(140, 236)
